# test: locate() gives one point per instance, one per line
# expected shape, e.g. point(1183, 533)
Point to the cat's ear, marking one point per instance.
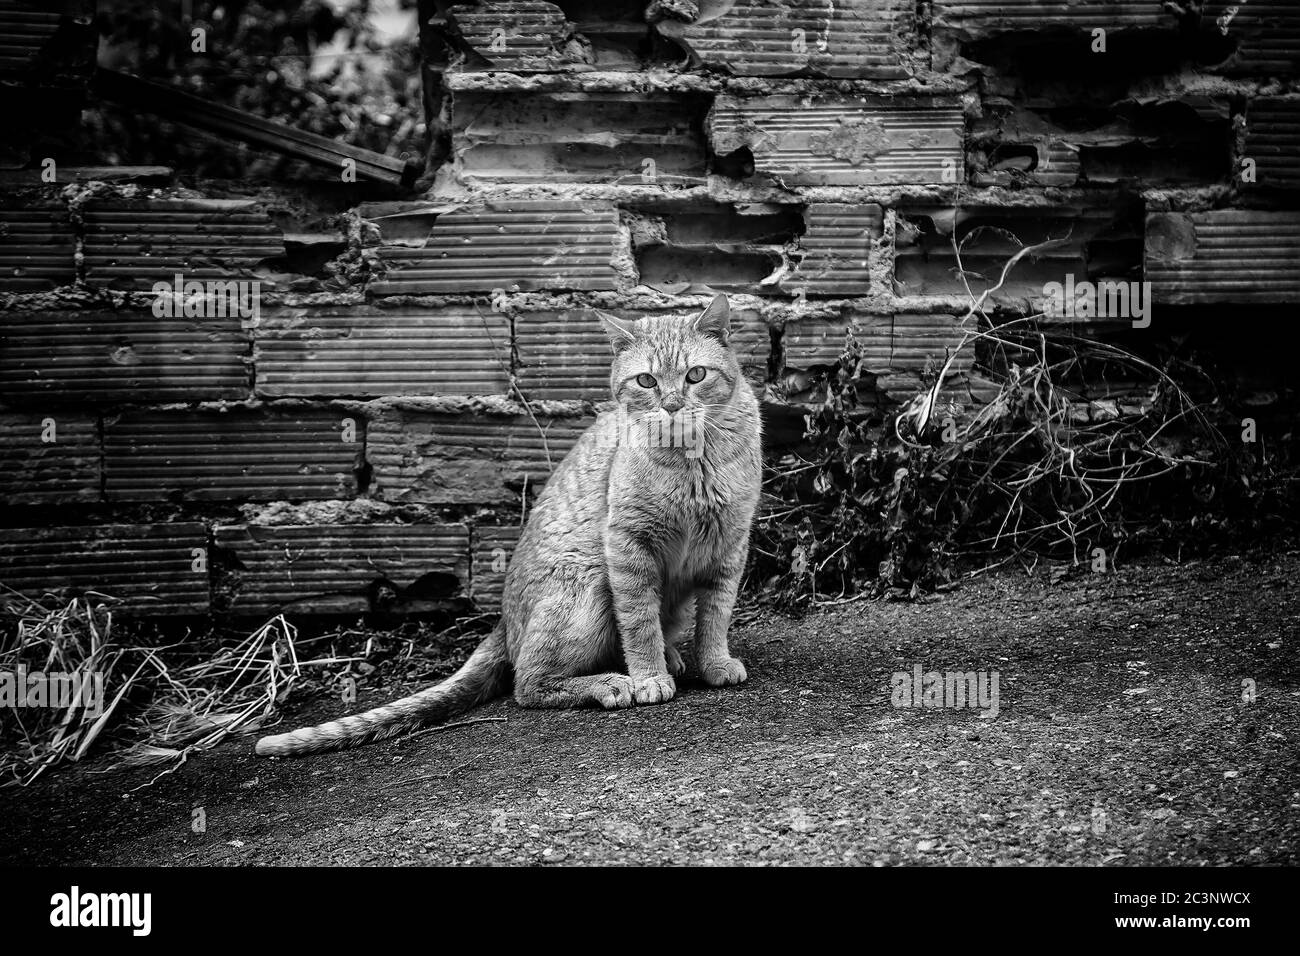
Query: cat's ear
point(716, 320)
point(621, 332)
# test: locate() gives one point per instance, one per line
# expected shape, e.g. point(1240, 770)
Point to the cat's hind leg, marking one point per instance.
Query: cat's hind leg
point(568, 654)
point(611, 691)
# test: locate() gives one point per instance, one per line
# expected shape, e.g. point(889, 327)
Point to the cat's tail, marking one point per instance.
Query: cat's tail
point(482, 678)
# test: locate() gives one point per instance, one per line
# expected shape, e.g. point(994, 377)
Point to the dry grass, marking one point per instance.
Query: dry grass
point(74, 639)
point(162, 713)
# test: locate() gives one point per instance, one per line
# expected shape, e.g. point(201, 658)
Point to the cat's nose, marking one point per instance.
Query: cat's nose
point(672, 403)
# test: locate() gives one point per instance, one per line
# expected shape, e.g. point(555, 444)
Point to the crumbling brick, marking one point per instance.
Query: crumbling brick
point(1087, 243)
point(843, 140)
point(337, 569)
point(889, 344)
point(445, 458)
point(132, 245)
point(1163, 142)
point(834, 254)
point(1264, 35)
point(520, 36)
point(130, 356)
point(622, 138)
point(232, 455)
point(363, 351)
point(1237, 256)
point(975, 17)
point(849, 39)
point(48, 458)
point(1142, 36)
point(1273, 142)
point(692, 247)
point(37, 246)
point(152, 569)
point(527, 245)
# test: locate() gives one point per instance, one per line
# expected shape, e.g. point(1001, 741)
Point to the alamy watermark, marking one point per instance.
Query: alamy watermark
point(208, 299)
point(1099, 300)
point(75, 909)
point(55, 689)
point(652, 430)
point(957, 690)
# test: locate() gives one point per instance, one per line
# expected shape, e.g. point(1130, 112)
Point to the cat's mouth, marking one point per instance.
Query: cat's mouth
point(685, 432)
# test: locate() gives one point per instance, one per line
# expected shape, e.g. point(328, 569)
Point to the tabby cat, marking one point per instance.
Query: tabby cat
point(642, 530)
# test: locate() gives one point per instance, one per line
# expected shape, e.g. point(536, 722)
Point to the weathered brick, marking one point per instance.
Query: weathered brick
point(1273, 141)
point(845, 39)
point(79, 357)
point(1165, 142)
point(439, 458)
point(363, 351)
point(888, 344)
point(37, 247)
point(1087, 243)
point(836, 250)
point(521, 36)
point(231, 455)
point(334, 569)
point(694, 247)
point(514, 246)
point(132, 245)
point(48, 458)
point(156, 569)
point(1238, 256)
point(623, 138)
point(1260, 38)
point(843, 140)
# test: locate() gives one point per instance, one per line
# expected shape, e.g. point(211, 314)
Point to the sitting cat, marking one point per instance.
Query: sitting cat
point(642, 528)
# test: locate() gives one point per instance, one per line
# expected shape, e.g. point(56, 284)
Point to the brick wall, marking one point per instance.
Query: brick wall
point(364, 442)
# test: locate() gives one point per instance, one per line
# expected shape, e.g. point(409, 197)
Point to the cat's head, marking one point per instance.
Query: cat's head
point(673, 366)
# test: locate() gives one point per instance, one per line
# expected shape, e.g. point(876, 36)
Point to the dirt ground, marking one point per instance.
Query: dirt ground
point(1123, 737)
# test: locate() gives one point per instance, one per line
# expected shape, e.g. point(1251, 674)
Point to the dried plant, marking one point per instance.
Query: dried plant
point(161, 712)
point(1019, 460)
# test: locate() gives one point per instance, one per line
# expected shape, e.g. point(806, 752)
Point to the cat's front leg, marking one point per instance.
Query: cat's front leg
point(635, 582)
point(715, 599)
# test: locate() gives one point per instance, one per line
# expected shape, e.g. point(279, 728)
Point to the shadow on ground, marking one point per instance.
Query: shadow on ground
point(1123, 738)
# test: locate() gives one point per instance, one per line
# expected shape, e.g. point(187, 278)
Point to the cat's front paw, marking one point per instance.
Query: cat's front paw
point(614, 691)
point(656, 689)
point(723, 672)
point(673, 658)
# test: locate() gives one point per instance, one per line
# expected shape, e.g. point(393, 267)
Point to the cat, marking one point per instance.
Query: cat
point(641, 531)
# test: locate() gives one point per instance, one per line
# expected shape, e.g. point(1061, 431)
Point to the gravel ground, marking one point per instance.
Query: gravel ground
point(1122, 738)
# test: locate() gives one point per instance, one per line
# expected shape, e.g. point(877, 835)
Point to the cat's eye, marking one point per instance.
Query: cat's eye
point(646, 380)
point(696, 374)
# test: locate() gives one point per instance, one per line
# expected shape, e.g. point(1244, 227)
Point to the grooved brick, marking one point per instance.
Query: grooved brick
point(439, 458)
point(842, 140)
point(333, 569)
point(155, 569)
point(231, 456)
point(363, 351)
point(78, 357)
point(36, 471)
